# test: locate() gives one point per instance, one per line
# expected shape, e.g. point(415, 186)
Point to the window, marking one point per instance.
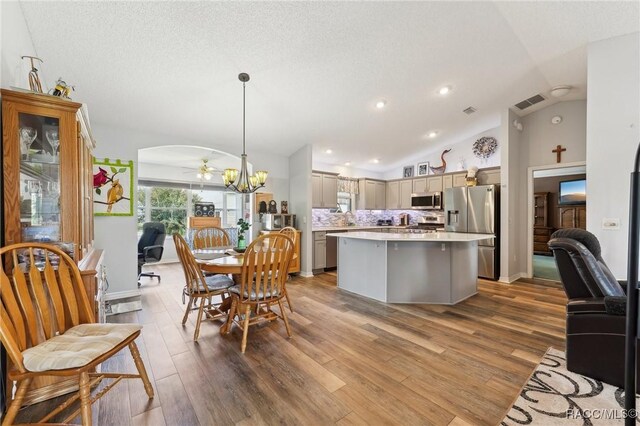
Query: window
point(227, 204)
point(344, 201)
point(169, 206)
point(172, 205)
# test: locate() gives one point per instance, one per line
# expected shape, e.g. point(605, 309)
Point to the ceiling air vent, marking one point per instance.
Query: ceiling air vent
point(531, 101)
point(470, 110)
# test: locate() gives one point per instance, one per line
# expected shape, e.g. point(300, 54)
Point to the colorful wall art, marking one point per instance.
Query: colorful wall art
point(112, 187)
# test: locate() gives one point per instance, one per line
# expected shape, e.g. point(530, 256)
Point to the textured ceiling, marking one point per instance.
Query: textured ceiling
point(317, 68)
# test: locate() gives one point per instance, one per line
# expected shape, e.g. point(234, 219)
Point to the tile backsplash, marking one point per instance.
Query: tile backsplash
point(323, 217)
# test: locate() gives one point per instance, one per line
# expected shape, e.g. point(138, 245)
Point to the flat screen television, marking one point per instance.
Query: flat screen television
point(572, 192)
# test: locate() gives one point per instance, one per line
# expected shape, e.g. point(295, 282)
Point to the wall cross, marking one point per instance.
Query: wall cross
point(558, 151)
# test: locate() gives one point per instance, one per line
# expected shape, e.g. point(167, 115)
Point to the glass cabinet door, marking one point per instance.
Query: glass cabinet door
point(39, 178)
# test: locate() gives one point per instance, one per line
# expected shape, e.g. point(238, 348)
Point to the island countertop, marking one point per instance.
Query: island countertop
point(427, 237)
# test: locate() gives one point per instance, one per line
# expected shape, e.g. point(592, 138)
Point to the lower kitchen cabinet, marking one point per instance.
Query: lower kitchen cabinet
point(319, 250)
point(319, 254)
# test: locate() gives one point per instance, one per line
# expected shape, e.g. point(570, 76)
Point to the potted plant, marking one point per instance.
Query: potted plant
point(243, 226)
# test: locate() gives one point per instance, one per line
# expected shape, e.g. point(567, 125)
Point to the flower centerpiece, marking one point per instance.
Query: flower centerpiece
point(243, 226)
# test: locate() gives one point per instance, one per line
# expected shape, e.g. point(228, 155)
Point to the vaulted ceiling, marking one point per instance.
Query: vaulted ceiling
point(318, 68)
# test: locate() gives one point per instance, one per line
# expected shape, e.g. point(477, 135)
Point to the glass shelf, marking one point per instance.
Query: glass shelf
point(39, 178)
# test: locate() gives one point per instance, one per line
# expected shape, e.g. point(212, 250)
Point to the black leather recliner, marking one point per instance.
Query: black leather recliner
point(150, 247)
point(595, 310)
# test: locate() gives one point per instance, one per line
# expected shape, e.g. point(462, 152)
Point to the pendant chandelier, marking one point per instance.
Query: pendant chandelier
point(241, 181)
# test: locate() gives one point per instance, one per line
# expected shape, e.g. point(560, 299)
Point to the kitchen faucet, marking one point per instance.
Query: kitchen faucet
point(349, 218)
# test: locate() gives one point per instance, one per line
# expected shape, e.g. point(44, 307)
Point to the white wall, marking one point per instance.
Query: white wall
point(117, 235)
point(613, 108)
point(347, 171)
point(16, 42)
point(461, 151)
point(538, 139)
point(510, 194)
point(541, 136)
point(300, 199)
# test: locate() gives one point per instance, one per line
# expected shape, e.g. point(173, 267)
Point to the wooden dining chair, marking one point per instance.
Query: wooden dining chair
point(207, 238)
point(292, 233)
point(264, 273)
point(212, 237)
point(48, 329)
point(199, 287)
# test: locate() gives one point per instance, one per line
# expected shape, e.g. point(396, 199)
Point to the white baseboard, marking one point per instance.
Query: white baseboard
point(512, 278)
point(306, 274)
point(122, 294)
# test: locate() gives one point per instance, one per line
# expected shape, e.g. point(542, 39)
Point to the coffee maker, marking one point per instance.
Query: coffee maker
point(404, 219)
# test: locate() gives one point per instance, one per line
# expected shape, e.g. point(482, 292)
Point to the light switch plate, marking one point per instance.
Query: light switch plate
point(610, 223)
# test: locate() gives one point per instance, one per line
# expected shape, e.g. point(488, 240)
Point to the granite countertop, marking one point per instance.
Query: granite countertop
point(435, 236)
point(354, 228)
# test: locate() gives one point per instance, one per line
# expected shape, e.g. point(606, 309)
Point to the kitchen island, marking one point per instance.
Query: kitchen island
point(440, 267)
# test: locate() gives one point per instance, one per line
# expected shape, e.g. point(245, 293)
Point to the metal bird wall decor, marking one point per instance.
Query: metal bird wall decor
point(440, 169)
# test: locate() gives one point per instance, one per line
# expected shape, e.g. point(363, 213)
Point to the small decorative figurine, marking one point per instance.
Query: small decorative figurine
point(62, 89)
point(34, 79)
point(440, 169)
point(472, 179)
point(284, 207)
point(273, 206)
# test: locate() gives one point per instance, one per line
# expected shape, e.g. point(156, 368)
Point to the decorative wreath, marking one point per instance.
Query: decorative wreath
point(485, 147)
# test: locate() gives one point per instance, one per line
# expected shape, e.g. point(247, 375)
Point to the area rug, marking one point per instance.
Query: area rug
point(555, 396)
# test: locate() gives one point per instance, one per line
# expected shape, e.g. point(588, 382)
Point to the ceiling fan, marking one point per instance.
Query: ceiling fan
point(204, 171)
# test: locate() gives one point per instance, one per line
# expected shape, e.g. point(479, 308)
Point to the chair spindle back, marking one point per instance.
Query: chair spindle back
point(210, 238)
point(194, 278)
point(265, 268)
point(39, 299)
point(290, 232)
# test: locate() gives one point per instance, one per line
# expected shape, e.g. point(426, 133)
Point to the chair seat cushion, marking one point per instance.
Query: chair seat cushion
point(77, 347)
point(236, 290)
point(218, 282)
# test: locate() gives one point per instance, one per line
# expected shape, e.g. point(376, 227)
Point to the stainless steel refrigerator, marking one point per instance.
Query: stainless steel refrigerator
point(476, 210)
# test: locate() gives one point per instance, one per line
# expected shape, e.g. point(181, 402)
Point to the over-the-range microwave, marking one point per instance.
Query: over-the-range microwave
point(426, 201)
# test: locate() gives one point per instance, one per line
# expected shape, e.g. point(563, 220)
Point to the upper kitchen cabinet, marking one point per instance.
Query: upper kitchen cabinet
point(399, 194)
point(427, 184)
point(48, 172)
point(419, 185)
point(372, 195)
point(324, 188)
point(489, 176)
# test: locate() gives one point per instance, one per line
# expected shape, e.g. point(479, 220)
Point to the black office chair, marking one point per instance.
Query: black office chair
point(150, 247)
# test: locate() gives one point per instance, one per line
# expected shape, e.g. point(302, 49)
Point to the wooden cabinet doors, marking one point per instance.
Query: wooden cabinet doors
point(43, 179)
point(573, 217)
point(324, 189)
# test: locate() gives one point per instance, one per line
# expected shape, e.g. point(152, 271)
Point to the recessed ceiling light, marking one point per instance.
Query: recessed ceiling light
point(444, 90)
point(348, 163)
point(381, 104)
point(375, 160)
point(328, 151)
point(433, 134)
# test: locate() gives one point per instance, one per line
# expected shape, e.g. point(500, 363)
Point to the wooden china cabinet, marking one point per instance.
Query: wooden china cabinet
point(47, 188)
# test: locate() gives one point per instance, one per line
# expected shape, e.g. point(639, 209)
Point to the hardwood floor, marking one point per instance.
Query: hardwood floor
point(350, 361)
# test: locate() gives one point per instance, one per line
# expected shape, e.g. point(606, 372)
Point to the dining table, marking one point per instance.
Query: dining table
point(222, 260)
